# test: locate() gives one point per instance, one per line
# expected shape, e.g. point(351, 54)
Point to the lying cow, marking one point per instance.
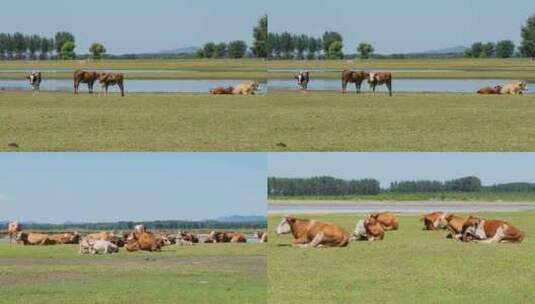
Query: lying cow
point(145, 241)
point(66, 238)
point(34, 239)
point(369, 229)
point(248, 88)
point(302, 79)
point(97, 247)
point(454, 224)
point(434, 221)
point(497, 90)
point(84, 77)
point(118, 240)
point(35, 80)
point(356, 77)
point(491, 231)
point(312, 233)
point(222, 91)
point(262, 236)
point(110, 79)
point(377, 79)
point(228, 237)
point(515, 88)
point(388, 220)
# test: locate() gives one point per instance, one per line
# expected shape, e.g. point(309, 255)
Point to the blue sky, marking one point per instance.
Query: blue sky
point(387, 167)
point(92, 187)
point(136, 25)
point(394, 26)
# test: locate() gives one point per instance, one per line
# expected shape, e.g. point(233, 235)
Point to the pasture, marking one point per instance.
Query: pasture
point(222, 273)
point(409, 266)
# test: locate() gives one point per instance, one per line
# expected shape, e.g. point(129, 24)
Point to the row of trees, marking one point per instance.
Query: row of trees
point(233, 49)
point(500, 49)
point(324, 185)
point(330, 186)
point(289, 46)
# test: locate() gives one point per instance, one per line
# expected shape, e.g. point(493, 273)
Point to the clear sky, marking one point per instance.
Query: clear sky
point(491, 168)
point(395, 26)
point(135, 26)
point(94, 187)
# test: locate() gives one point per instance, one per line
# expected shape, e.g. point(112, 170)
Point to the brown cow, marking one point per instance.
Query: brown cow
point(312, 233)
point(491, 231)
point(377, 79)
point(228, 237)
point(356, 77)
point(35, 239)
point(454, 224)
point(434, 221)
point(13, 229)
point(66, 238)
point(222, 91)
point(490, 90)
point(369, 229)
point(84, 77)
point(145, 241)
point(388, 220)
point(111, 79)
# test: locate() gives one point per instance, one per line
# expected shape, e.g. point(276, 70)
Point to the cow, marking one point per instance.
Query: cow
point(454, 225)
point(222, 91)
point(369, 229)
point(145, 241)
point(313, 233)
point(111, 79)
point(247, 88)
point(13, 229)
point(85, 246)
point(497, 90)
point(140, 228)
point(206, 239)
point(34, 239)
point(84, 77)
point(262, 236)
point(228, 237)
point(66, 238)
point(184, 238)
point(97, 247)
point(356, 77)
point(118, 240)
point(162, 240)
point(515, 88)
point(388, 220)
point(35, 80)
point(434, 221)
point(377, 79)
point(302, 80)
point(490, 231)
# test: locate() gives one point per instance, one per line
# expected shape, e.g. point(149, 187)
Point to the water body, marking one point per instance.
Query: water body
point(132, 86)
point(399, 85)
point(411, 208)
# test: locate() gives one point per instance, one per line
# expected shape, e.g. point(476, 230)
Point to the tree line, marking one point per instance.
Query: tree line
point(330, 186)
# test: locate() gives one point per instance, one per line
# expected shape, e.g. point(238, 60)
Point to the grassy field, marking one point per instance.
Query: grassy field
point(409, 266)
point(470, 197)
point(458, 68)
point(319, 121)
point(144, 68)
point(198, 274)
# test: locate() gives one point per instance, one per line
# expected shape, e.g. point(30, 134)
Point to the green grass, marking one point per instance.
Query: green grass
point(198, 274)
point(409, 266)
point(144, 68)
point(470, 197)
point(458, 68)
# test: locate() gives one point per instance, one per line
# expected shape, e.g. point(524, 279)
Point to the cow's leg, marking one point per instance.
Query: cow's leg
point(357, 87)
point(389, 86)
point(316, 241)
point(121, 86)
point(498, 236)
point(76, 84)
point(344, 86)
point(301, 241)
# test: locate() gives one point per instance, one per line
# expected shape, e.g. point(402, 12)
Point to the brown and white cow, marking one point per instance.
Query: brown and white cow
point(388, 220)
point(369, 229)
point(13, 229)
point(434, 221)
point(117, 239)
point(303, 78)
point(356, 77)
point(84, 77)
point(382, 78)
point(110, 79)
point(66, 238)
point(34, 239)
point(262, 236)
point(313, 233)
point(515, 88)
point(497, 90)
point(491, 231)
point(35, 79)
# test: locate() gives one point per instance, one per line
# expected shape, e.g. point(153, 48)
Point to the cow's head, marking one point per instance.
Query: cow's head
point(22, 237)
point(285, 226)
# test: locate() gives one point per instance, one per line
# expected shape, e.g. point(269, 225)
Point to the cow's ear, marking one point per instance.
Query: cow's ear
point(290, 219)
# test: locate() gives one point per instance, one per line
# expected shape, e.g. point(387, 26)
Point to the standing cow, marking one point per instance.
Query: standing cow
point(84, 77)
point(377, 79)
point(302, 80)
point(12, 230)
point(111, 79)
point(356, 77)
point(35, 80)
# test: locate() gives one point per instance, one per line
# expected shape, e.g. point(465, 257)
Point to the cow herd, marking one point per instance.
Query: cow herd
point(315, 234)
point(140, 239)
point(105, 80)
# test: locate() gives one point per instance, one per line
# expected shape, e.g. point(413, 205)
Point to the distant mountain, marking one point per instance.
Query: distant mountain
point(185, 50)
point(451, 50)
point(241, 219)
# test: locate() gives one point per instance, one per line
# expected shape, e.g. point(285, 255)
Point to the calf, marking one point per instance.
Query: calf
point(434, 221)
point(491, 231)
point(356, 77)
point(84, 77)
point(35, 80)
point(377, 79)
point(369, 229)
point(110, 79)
point(312, 233)
point(302, 79)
